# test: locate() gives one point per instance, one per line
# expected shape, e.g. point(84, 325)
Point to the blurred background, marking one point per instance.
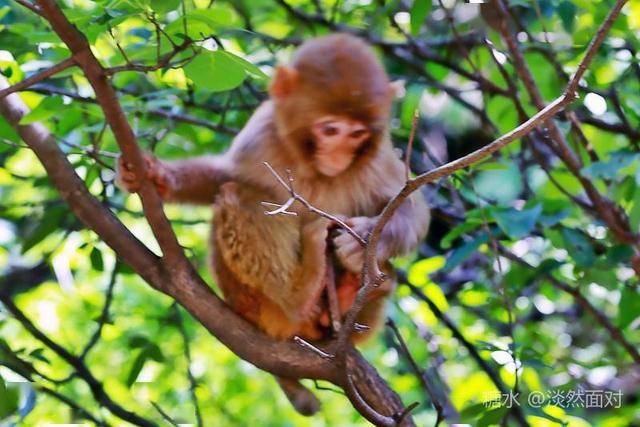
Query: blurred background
point(527, 283)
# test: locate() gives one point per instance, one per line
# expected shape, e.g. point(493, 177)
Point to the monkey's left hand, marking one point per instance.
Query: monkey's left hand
point(349, 251)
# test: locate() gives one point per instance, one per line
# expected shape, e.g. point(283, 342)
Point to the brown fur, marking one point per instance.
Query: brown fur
point(271, 268)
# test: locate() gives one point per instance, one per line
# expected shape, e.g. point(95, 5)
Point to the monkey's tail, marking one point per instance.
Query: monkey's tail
point(302, 399)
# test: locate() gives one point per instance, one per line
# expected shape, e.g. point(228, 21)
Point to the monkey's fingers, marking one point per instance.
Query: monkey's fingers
point(128, 181)
point(349, 252)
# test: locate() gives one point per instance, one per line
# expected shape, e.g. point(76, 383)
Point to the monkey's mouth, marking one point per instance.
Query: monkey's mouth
point(332, 169)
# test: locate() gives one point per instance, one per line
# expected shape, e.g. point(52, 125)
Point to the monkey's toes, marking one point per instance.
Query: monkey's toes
point(301, 398)
point(306, 403)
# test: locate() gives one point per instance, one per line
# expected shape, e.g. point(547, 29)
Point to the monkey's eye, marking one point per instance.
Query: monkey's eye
point(359, 133)
point(330, 130)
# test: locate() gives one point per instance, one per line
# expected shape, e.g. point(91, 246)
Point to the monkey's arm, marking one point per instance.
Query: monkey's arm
point(196, 180)
point(400, 235)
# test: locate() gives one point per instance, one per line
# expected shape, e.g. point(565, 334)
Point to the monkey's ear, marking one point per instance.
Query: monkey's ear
point(284, 82)
point(397, 89)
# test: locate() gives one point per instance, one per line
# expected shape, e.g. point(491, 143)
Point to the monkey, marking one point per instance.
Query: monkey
point(327, 122)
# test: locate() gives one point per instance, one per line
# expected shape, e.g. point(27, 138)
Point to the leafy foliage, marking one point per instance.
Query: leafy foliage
point(493, 289)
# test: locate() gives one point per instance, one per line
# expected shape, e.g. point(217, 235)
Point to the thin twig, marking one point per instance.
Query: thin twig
point(193, 383)
point(104, 315)
point(412, 135)
point(418, 372)
point(309, 206)
point(96, 387)
point(46, 73)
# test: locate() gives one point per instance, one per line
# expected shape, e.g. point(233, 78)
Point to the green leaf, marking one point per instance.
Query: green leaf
point(517, 224)
point(203, 22)
point(418, 274)
point(215, 71)
point(629, 308)
point(3, 11)
point(419, 12)
point(567, 12)
point(457, 231)
point(610, 169)
point(493, 417)
point(136, 367)
point(634, 214)
point(472, 412)
point(410, 104)
point(8, 400)
point(154, 352)
point(47, 108)
point(458, 255)
point(619, 253)
point(149, 350)
point(164, 6)
point(38, 354)
point(96, 260)
point(250, 68)
point(138, 341)
point(579, 247)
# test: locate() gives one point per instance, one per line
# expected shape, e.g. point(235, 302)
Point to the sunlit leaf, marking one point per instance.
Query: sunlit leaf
point(419, 272)
point(215, 71)
point(47, 108)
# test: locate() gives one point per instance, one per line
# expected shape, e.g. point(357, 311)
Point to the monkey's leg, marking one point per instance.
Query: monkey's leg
point(302, 399)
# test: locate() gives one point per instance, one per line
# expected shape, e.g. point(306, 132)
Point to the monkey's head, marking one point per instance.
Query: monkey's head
point(332, 103)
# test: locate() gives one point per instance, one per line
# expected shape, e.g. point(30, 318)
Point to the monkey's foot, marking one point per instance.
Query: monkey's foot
point(302, 399)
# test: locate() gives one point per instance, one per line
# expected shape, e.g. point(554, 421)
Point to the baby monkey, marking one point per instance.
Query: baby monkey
point(326, 121)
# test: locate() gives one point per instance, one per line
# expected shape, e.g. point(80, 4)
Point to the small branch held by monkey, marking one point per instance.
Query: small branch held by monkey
point(332, 295)
point(309, 206)
point(281, 209)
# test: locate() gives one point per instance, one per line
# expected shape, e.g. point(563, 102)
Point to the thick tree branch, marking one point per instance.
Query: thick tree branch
point(115, 117)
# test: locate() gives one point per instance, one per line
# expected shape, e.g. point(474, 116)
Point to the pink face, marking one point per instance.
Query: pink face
point(337, 140)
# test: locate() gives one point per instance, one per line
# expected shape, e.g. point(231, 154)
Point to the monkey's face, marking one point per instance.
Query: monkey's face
point(336, 142)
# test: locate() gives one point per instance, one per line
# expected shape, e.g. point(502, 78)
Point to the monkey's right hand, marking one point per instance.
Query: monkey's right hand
point(156, 172)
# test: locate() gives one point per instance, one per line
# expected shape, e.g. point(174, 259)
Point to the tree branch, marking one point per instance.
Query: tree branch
point(46, 73)
point(115, 117)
